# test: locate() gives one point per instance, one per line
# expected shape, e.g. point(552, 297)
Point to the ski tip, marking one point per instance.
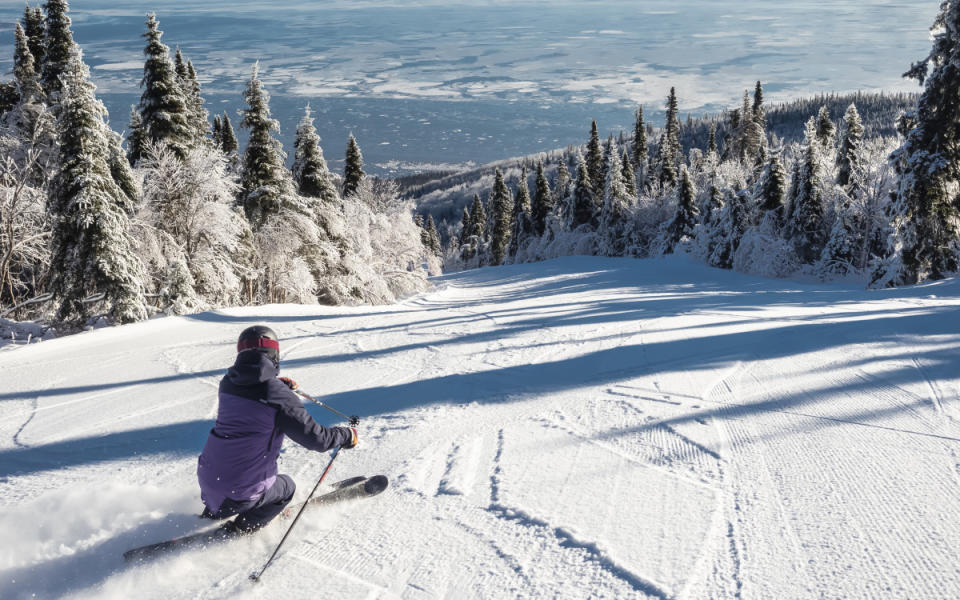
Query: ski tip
point(375, 484)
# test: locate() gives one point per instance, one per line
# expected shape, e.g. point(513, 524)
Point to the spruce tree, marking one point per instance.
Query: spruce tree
point(616, 206)
point(685, 219)
point(670, 142)
point(217, 132)
point(501, 206)
point(228, 139)
point(24, 68)
point(264, 179)
point(842, 250)
point(607, 149)
point(731, 223)
point(584, 200)
point(58, 44)
point(197, 115)
point(310, 172)
point(137, 139)
point(92, 249)
point(826, 130)
point(465, 223)
point(759, 113)
point(36, 32)
point(478, 219)
point(627, 174)
point(774, 188)
point(925, 219)
point(163, 107)
point(849, 158)
point(180, 68)
point(563, 207)
point(712, 140)
point(353, 168)
point(433, 243)
point(640, 153)
point(594, 160)
point(542, 202)
point(809, 207)
point(520, 218)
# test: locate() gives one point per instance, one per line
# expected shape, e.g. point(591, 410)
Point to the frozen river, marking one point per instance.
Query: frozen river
point(434, 82)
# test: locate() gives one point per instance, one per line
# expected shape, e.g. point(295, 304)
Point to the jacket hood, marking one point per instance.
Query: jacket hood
point(252, 367)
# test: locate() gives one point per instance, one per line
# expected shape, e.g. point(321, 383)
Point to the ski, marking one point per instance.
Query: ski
point(348, 489)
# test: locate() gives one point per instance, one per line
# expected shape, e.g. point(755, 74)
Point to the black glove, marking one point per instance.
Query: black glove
point(354, 420)
point(352, 442)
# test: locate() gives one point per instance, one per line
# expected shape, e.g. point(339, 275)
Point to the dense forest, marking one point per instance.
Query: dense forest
point(177, 217)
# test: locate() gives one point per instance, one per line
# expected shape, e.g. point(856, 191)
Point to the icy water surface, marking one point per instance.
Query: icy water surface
point(434, 83)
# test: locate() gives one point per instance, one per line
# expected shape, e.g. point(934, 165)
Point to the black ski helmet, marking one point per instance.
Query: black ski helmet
point(262, 339)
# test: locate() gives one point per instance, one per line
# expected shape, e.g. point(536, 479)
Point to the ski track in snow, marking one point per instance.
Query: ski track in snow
point(578, 428)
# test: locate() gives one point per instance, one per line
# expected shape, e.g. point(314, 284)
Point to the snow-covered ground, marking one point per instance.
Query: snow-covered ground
point(577, 428)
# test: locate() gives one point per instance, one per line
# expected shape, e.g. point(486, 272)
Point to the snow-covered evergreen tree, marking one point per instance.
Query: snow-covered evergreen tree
point(849, 156)
point(24, 69)
point(669, 151)
point(808, 207)
point(163, 106)
point(353, 174)
point(465, 224)
point(520, 217)
point(685, 219)
point(640, 154)
point(36, 31)
point(310, 172)
point(501, 208)
point(264, 178)
point(594, 160)
point(432, 241)
point(615, 214)
point(732, 222)
point(563, 196)
point(584, 200)
point(826, 130)
point(773, 188)
point(628, 175)
point(92, 248)
point(216, 133)
point(759, 113)
point(198, 117)
point(842, 250)
point(472, 237)
point(137, 137)
point(542, 201)
point(228, 138)
point(58, 44)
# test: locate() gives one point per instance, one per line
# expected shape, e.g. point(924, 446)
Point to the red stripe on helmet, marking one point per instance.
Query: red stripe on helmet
point(249, 344)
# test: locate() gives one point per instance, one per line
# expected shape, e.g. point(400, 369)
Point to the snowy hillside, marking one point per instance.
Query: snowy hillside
point(575, 428)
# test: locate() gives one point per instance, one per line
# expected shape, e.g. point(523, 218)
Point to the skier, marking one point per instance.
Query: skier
point(237, 469)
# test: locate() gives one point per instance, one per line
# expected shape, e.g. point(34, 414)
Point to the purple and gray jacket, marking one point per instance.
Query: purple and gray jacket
point(256, 411)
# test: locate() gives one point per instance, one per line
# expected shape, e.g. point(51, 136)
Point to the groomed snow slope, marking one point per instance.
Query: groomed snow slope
point(576, 428)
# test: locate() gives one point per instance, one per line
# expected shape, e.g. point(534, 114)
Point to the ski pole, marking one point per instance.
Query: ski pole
point(256, 576)
point(353, 420)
